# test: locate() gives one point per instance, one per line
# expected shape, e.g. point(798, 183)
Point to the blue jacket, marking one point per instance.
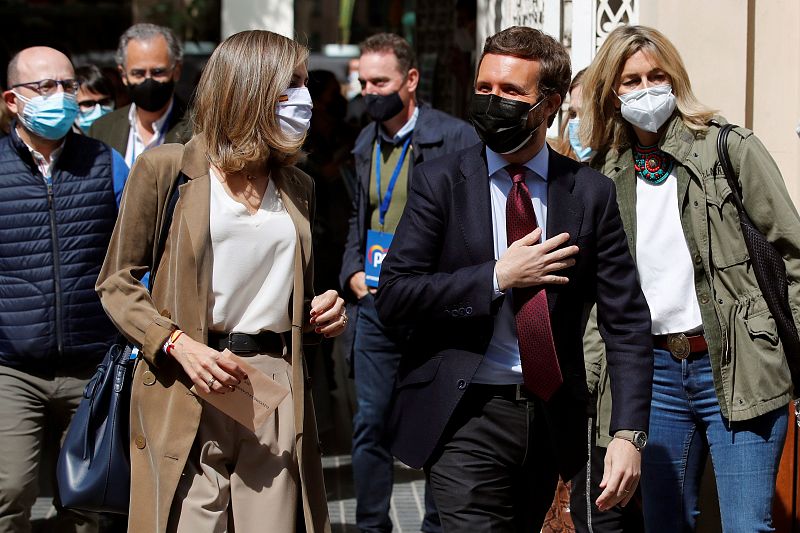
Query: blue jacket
point(435, 134)
point(53, 239)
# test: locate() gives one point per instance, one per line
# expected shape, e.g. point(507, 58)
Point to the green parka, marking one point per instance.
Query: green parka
point(751, 376)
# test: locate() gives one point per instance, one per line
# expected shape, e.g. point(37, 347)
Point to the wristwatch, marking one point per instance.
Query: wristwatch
point(637, 438)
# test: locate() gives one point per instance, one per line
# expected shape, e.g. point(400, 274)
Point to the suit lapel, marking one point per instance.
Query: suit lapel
point(625, 180)
point(296, 203)
point(472, 202)
point(197, 193)
point(119, 135)
point(564, 210)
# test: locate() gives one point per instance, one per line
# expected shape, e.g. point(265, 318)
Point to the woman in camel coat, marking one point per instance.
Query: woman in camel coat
point(237, 260)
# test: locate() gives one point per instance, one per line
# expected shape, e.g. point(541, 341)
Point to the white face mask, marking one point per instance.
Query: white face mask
point(648, 108)
point(294, 111)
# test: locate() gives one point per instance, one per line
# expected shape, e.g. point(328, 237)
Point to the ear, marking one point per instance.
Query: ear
point(122, 75)
point(176, 72)
point(552, 105)
point(412, 80)
point(10, 100)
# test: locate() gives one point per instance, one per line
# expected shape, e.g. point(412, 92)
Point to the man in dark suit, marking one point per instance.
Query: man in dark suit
point(501, 252)
point(402, 134)
point(149, 59)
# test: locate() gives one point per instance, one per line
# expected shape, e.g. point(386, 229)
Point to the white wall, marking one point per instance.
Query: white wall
point(272, 15)
point(712, 37)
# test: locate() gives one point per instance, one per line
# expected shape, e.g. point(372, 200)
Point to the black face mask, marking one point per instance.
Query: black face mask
point(382, 107)
point(502, 123)
point(151, 95)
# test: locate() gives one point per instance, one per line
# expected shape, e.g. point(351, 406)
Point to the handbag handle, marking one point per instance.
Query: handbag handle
point(169, 210)
point(727, 167)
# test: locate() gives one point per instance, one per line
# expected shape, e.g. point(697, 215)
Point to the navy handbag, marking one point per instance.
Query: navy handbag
point(93, 470)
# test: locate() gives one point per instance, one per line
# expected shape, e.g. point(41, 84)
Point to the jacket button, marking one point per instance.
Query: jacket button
point(140, 442)
point(462, 384)
point(148, 378)
point(704, 299)
point(698, 259)
point(166, 314)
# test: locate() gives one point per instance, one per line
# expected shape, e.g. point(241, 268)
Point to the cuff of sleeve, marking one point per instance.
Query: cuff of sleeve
point(155, 336)
point(496, 284)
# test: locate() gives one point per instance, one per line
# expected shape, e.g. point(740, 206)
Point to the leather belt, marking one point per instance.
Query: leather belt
point(680, 345)
point(513, 392)
point(266, 342)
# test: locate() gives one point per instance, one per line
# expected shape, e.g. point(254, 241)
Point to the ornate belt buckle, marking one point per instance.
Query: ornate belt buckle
point(678, 345)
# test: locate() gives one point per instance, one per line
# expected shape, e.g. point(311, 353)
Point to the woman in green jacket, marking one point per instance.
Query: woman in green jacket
point(721, 382)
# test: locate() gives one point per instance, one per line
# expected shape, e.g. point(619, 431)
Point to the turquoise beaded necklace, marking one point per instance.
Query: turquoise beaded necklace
point(652, 164)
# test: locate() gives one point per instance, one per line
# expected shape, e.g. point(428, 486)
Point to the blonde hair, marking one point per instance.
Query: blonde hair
point(236, 99)
point(602, 126)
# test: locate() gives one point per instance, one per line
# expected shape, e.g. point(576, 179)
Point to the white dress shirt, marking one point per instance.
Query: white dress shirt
point(135, 143)
point(501, 364)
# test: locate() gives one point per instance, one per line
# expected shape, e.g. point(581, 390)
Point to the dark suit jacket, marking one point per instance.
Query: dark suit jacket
point(438, 277)
point(114, 128)
point(435, 134)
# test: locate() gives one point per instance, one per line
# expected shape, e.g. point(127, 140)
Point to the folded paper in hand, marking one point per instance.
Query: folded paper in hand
point(250, 402)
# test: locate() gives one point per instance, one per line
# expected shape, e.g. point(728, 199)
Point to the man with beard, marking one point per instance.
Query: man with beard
point(149, 59)
point(404, 132)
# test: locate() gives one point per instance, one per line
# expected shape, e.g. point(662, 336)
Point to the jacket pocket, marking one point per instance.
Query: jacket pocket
point(760, 371)
point(727, 243)
point(424, 373)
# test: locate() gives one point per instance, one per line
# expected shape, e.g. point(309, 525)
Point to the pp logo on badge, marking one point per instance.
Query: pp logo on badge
point(377, 247)
point(376, 255)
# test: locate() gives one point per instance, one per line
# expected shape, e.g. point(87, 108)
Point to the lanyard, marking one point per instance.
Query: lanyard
point(387, 199)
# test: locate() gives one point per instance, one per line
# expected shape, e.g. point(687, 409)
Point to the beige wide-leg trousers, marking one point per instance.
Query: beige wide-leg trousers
point(235, 480)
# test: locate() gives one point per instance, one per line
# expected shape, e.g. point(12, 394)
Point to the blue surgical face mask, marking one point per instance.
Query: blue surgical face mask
point(86, 119)
point(583, 152)
point(48, 117)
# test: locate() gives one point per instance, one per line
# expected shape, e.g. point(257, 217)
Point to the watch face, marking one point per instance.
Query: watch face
point(640, 439)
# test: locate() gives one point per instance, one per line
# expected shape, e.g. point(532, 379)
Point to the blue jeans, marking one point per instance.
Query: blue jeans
point(376, 358)
point(685, 424)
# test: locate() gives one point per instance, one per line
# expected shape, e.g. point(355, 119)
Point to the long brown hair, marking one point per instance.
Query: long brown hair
point(602, 126)
point(237, 96)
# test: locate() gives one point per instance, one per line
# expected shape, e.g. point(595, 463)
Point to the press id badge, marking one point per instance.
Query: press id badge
point(378, 244)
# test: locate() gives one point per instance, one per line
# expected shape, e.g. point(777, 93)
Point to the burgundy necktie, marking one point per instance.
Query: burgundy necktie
point(540, 370)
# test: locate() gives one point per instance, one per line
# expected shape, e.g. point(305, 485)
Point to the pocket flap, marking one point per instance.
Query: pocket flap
point(422, 374)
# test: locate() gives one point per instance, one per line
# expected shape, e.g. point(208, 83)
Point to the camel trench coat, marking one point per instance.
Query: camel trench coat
point(165, 415)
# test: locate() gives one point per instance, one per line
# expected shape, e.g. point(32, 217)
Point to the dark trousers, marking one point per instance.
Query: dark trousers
point(495, 469)
point(585, 490)
point(376, 358)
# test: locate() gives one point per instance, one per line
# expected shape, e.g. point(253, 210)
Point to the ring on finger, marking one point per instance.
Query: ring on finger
point(211, 381)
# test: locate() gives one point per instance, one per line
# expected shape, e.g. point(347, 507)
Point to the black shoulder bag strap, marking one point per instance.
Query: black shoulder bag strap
point(768, 266)
point(169, 210)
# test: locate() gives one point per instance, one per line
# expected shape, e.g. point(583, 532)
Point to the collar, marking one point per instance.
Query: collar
point(407, 128)
point(158, 124)
point(37, 156)
point(539, 163)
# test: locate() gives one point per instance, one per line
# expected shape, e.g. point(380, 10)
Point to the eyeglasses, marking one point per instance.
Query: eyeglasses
point(88, 105)
point(140, 74)
point(48, 87)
